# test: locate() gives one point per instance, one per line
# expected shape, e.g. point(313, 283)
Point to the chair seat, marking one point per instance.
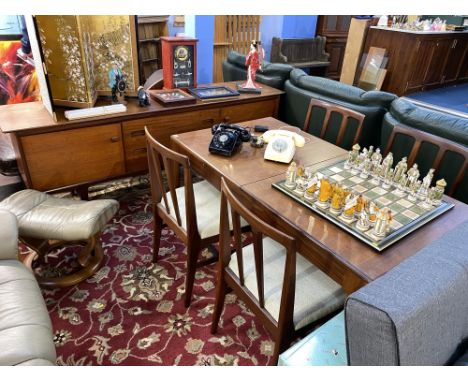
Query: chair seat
point(43, 216)
point(207, 207)
point(316, 294)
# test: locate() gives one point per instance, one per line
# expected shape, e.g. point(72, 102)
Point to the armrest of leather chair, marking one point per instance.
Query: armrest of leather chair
point(8, 235)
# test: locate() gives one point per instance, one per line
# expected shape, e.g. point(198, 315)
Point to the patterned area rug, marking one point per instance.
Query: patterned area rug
point(131, 312)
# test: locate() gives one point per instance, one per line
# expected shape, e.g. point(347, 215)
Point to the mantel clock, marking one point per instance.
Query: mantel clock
point(179, 62)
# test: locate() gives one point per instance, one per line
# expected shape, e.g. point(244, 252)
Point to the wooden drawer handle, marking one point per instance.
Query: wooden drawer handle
point(209, 121)
point(115, 139)
point(142, 150)
point(137, 133)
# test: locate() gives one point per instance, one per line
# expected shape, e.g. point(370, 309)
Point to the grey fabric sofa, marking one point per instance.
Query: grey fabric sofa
point(416, 314)
point(26, 336)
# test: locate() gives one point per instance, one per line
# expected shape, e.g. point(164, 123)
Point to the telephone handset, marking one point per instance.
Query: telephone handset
point(282, 145)
point(227, 138)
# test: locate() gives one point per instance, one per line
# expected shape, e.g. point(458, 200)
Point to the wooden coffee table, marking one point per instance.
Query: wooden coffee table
point(346, 259)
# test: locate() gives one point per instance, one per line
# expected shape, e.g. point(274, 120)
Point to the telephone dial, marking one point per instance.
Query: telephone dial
point(227, 138)
point(282, 145)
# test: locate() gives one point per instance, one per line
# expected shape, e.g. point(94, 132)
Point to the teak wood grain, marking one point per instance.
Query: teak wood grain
point(346, 259)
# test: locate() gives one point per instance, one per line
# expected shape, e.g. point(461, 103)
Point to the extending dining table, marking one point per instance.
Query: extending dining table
point(349, 261)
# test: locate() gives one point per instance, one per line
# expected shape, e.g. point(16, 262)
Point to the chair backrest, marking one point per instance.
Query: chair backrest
point(344, 126)
point(442, 163)
point(259, 228)
point(161, 159)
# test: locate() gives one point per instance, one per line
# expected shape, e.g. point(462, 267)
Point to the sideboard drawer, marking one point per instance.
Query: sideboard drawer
point(161, 128)
point(249, 111)
point(74, 156)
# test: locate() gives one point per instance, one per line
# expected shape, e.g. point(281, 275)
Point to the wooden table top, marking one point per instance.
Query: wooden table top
point(19, 118)
point(348, 260)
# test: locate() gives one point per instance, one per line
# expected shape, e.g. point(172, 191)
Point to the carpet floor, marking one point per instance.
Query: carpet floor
point(131, 311)
point(451, 97)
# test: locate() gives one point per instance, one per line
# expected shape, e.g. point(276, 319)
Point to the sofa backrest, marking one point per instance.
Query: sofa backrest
point(300, 88)
point(299, 50)
point(274, 75)
point(451, 127)
point(417, 313)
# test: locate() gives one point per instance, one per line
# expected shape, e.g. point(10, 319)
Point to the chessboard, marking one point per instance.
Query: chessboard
point(407, 215)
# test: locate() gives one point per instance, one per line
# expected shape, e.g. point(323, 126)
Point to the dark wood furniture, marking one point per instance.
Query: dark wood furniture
point(444, 147)
point(419, 61)
point(301, 53)
point(67, 154)
point(335, 28)
point(177, 210)
point(345, 114)
point(345, 259)
point(179, 62)
point(280, 247)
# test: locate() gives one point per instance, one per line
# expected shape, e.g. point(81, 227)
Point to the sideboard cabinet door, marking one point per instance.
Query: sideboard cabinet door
point(74, 156)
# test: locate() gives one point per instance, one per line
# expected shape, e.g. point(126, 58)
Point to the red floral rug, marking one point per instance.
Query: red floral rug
point(131, 311)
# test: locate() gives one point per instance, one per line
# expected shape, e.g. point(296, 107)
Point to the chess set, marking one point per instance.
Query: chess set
point(368, 198)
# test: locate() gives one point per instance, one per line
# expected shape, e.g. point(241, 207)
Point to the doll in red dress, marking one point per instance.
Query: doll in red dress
point(254, 62)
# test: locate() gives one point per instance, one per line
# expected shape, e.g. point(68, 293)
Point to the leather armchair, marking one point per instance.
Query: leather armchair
point(300, 88)
point(444, 125)
point(273, 75)
point(26, 336)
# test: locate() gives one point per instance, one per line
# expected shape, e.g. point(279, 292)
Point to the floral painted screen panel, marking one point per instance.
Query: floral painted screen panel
point(114, 42)
point(66, 53)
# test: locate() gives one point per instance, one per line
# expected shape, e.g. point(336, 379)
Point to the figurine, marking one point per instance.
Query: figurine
point(383, 222)
point(365, 168)
point(413, 191)
point(426, 183)
point(291, 176)
point(370, 152)
point(338, 198)
point(376, 158)
point(324, 193)
point(363, 222)
point(254, 62)
point(373, 210)
point(311, 188)
point(349, 208)
point(386, 165)
point(400, 191)
point(352, 156)
point(309, 173)
point(413, 176)
point(438, 192)
point(400, 169)
point(143, 99)
point(387, 182)
point(117, 84)
point(360, 205)
point(300, 185)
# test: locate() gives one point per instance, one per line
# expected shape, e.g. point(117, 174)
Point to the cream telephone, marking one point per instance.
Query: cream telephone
point(282, 145)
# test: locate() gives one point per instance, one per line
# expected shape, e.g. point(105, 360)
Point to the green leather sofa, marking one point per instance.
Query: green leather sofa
point(273, 75)
point(444, 125)
point(300, 88)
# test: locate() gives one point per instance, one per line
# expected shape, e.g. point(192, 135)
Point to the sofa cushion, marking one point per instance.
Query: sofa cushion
point(8, 165)
point(416, 314)
point(8, 235)
point(25, 327)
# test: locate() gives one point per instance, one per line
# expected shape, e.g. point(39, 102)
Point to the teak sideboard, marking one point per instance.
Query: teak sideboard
point(67, 154)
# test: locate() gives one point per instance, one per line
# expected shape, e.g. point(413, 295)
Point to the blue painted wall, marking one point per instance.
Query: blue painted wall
point(173, 30)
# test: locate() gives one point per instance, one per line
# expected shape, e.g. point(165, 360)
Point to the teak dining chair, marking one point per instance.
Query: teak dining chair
point(345, 113)
point(452, 169)
point(280, 286)
point(191, 211)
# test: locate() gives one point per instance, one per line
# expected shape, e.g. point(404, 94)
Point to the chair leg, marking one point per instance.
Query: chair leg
point(192, 258)
point(158, 225)
point(219, 302)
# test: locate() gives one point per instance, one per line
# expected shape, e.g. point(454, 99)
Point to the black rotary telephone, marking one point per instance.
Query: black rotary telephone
point(227, 139)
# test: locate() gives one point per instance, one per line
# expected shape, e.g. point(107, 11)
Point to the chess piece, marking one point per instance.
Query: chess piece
point(309, 173)
point(352, 156)
point(365, 168)
point(363, 221)
point(413, 191)
point(373, 209)
point(438, 192)
point(386, 165)
point(360, 205)
point(311, 189)
point(400, 169)
point(376, 158)
point(383, 222)
point(401, 188)
point(324, 193)
point(300, 185)
point(426, 183)
point(337, 199)
point(387, 183)
point(291, 176)
point(413, 176)
point(370, 152)
point(361, 158)
point(349, 208)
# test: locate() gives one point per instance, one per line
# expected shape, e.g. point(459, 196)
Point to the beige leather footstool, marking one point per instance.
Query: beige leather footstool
point(46, 222)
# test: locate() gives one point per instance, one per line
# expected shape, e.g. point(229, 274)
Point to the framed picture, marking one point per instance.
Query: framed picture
point(213, 92)
point(172, 97)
